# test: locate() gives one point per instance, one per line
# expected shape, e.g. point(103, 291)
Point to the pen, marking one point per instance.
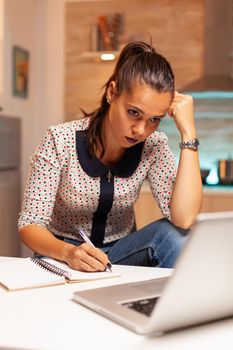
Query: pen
point(87, 240)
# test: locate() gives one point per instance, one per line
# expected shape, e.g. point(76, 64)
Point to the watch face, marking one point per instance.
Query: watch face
point(195, 144)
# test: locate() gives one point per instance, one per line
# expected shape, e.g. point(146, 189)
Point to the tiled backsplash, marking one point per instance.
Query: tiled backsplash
point(214, 123)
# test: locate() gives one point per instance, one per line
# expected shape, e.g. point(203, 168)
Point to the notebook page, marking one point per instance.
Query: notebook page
point(23, 273)
point(80, 275)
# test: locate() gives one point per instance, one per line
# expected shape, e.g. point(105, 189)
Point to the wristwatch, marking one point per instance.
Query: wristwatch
point(191, 144)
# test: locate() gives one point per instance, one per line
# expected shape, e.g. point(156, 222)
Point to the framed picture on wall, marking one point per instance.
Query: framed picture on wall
point(20, 72)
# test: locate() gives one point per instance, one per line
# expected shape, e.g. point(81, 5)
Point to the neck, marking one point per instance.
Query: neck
point(111, 156)
point(112, 153)
point(110, 160)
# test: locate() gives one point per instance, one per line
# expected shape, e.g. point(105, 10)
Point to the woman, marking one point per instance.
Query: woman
point(86, 174)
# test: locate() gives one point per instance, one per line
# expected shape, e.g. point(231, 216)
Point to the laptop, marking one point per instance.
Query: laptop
point(199, 290)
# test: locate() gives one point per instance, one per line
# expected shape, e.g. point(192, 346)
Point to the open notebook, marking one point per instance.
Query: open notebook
point(33, 272)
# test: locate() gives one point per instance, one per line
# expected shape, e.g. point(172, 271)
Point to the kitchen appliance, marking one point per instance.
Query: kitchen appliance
point(225, 171)
point(9, 185)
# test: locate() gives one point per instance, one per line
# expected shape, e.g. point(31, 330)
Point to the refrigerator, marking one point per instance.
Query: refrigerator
point(10, 146)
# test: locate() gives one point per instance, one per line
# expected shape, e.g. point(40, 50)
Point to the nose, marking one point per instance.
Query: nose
point(139, 128)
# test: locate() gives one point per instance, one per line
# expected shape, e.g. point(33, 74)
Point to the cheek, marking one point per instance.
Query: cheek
point(117, 124)
point(120, 120)
point(150, 129)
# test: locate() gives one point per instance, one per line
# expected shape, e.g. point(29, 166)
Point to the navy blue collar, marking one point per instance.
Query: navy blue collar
point(93, 166)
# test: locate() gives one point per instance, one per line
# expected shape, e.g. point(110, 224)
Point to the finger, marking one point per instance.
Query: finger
point(83, 254)
point(80, 265)
point(177, 94)
point(175, 97)
point(96, 253)
point(83, 266)
point(93, 262)
point(171, 112)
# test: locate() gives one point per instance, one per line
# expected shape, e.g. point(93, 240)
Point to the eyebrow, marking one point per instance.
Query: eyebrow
point(141, 111)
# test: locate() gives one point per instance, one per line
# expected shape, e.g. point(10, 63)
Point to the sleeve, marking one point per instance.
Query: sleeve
point(42, 182)
point(162, 175)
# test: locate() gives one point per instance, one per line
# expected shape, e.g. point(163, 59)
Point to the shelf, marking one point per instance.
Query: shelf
point(100, 56)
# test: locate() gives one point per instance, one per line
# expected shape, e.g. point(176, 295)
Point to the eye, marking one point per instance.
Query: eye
point(133, 113)
point(155, 120)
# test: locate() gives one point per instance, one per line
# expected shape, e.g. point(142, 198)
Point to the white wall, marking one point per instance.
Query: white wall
point(30, 24)
point(20, 30)
point(38, 27)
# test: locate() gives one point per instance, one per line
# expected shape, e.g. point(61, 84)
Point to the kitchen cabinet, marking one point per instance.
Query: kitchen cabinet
point(216, 198)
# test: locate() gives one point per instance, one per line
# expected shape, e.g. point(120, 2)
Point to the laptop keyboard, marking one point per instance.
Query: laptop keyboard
point(144, 306)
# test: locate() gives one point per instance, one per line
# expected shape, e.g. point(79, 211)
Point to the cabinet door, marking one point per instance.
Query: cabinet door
point(146, 209)
point(217, 202)
point(9, 209)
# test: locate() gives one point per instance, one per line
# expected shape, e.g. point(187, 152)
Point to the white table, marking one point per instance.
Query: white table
point(47, 318)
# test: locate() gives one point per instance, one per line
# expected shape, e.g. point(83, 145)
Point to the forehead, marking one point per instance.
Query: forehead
point(147, 99)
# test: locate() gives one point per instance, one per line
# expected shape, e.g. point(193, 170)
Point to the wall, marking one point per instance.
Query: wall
point(20, 30)
point(28, 24)
point(177, 36)
point(35, 26)
point(218, 36)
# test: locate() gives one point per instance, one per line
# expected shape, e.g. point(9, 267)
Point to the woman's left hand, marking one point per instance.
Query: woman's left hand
point(186, 197)
point(181, 110)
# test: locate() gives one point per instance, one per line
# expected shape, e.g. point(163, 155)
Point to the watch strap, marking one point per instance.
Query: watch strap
point(192, 144)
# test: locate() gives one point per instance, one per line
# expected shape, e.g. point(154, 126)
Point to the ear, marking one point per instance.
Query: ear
point(111, 91)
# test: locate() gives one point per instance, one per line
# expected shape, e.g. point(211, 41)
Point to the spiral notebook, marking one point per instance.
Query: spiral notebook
point(32, 272)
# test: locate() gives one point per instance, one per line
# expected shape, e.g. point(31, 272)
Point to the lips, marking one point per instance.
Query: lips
point(131, 140)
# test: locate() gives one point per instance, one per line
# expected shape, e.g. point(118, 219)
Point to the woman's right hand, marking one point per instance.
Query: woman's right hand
point(84, 257)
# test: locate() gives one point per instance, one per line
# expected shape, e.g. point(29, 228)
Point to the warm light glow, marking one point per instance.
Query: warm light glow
point(107, 56)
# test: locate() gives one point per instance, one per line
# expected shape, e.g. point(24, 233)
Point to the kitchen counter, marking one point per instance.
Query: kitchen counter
point(218, 189)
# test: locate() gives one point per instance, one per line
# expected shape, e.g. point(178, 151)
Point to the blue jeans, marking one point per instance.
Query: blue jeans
point(157, 244)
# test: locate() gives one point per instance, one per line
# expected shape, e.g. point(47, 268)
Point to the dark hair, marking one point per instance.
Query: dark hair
point(138, 60)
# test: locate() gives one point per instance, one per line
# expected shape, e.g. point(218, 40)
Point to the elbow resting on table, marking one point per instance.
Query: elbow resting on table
point(185, 217)
point(184, 223)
